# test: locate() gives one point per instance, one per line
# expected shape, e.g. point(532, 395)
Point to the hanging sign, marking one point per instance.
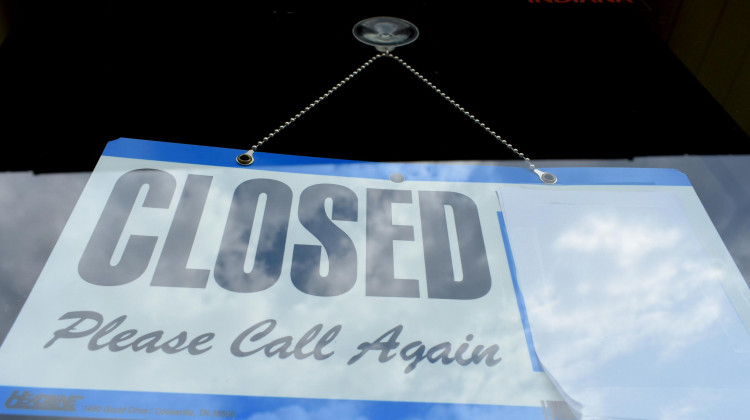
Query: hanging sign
point(186, 286)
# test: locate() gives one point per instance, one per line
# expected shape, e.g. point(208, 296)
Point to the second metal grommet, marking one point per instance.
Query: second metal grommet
point(245, 159)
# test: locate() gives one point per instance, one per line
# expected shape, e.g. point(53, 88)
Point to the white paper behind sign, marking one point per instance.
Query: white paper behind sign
point(635, 308)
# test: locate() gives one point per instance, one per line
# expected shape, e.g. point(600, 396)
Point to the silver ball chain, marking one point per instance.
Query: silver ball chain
point(247, 158)
point(464, 111)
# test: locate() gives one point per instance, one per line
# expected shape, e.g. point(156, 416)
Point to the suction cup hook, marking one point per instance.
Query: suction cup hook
point(385, 33)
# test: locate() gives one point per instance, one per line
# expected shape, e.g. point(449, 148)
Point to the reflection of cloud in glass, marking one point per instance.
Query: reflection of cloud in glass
point(382, 232)
point(35, 209)
point(636, 286)
point(625, 304)
point(628, 243)
point(328, 269)
point(262, 206)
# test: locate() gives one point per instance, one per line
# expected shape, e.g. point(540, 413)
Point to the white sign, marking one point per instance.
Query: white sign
point(186, 286)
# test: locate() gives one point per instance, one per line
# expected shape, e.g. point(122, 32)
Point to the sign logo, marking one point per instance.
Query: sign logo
point(29, 401)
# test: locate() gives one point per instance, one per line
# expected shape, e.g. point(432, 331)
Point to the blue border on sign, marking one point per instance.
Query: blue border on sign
point(215, 156)
point(535, 364)
point(61, 402)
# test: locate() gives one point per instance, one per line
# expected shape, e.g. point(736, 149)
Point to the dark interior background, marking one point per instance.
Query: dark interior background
point(558, 80)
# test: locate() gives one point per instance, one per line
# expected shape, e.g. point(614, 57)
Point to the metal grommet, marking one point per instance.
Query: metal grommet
point(546, 177)
point(245, 159)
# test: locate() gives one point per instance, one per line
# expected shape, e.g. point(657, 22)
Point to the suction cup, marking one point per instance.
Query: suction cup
point(385, 33)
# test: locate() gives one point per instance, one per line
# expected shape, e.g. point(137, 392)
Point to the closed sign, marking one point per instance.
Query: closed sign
point(186, 286)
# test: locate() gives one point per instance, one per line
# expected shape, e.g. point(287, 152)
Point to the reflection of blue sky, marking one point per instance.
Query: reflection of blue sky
point(372, 410)
point(336, 410)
